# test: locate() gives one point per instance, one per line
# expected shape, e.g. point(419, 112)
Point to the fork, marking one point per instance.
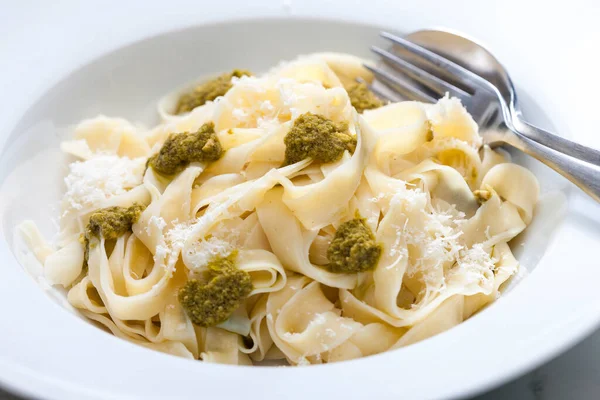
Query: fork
point(484, 102)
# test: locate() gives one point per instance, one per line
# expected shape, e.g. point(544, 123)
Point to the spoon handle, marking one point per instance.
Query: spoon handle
point(555, 142)
point(585, 175)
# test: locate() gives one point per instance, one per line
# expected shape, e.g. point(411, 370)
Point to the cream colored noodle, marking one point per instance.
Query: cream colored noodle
point(442, 206)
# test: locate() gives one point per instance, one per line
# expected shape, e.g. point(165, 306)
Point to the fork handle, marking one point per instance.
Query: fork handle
point(555, 142)
point(586, 176)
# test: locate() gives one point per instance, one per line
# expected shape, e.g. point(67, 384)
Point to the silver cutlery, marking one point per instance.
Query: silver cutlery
point(411, 71)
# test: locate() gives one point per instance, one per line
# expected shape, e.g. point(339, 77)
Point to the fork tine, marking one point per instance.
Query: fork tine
point(462, 75)
point(379, 93)
point(431, 81)
point(395, 84)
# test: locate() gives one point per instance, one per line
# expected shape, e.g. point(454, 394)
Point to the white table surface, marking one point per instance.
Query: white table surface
point(574, 375)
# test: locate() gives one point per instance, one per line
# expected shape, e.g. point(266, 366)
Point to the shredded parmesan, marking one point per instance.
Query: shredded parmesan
point(435, 238)
point(203, 251)
point(156, 221)
point(474, 266)
point(221, 243)
point(100, 178)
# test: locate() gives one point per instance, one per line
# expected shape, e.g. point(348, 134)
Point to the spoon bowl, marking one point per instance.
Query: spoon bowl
point(467, 53)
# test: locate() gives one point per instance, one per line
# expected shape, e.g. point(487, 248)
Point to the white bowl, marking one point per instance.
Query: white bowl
point(47, 352)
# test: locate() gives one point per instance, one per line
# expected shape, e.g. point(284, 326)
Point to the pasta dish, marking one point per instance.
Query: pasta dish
point(288, 216)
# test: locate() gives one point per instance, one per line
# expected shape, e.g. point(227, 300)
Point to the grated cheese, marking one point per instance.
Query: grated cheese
point(156, 221)
point(266, 106)
point(475, 266)
point(319, 319)
point(221, 243)
point(91, 182)
point(205, 250)
point(160, 253)
point(438, 238)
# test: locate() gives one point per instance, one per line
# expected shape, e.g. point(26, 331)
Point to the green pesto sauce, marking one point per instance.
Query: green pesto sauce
point(110, 223)
point(211, 303)
point(113, 222)
point(317, 137)
point(208, 91)
point(362, 98)
point(180, 149)
point(353, 248)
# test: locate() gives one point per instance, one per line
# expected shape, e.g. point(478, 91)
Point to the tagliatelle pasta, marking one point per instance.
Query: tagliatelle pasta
point(426, 209)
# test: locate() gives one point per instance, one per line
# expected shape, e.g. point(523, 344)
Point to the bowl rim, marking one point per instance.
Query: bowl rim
point(527, 353)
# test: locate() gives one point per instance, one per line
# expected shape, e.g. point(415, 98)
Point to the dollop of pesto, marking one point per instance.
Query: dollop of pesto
point(317, 137)
point(212, 302)
point(208, 91)
point(362, 98)
point(180, 149)
point(353, 248)
point(110, 223)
